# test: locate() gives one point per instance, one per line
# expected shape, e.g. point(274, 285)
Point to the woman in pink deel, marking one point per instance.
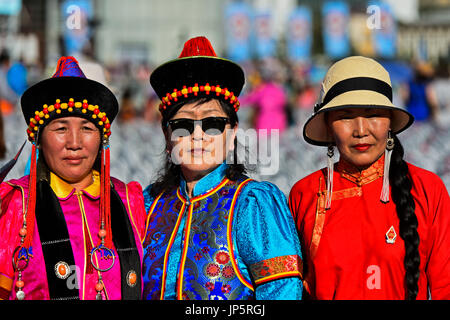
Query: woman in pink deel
point(69, 231)
point(269, 100)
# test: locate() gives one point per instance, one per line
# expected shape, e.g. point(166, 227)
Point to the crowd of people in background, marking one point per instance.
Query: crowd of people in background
point(276, 90)
point(277, 95)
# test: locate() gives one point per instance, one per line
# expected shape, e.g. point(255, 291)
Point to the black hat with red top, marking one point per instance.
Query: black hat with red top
point(68, 93)
point(198, 71)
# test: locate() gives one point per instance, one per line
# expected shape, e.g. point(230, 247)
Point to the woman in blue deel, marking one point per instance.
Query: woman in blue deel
point(212, 233)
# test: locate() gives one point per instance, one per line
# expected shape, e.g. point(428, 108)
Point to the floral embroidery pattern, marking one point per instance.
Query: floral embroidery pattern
point(209, 286)
point(222, 257)
point(228, 272)
point(226, 288)
point(278, 267)
point(212, 270)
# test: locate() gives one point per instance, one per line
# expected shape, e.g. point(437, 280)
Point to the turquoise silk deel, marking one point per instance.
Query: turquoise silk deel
point(232, 240)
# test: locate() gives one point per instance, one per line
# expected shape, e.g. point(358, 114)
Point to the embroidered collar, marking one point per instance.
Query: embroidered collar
point(353, 174)
point(63, 190)
point(205, 184)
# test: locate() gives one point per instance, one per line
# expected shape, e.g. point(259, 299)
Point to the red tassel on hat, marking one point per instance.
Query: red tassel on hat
point(199, 46)
point(31, 206)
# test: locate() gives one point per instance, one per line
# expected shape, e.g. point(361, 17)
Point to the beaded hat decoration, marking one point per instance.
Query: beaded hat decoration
point(68, 93)
point(44, 116)
point(198, 72)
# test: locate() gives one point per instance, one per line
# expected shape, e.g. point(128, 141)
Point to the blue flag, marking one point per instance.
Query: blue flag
point(335, 16)
point(299, 34)
point(385, 33)
point(265, 44)
point(238, 22)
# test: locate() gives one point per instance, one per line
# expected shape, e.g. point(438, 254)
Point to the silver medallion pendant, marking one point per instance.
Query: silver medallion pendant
point(62, 270)
point(131, 278)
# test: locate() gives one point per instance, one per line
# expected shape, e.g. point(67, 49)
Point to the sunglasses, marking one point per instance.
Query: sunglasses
point(212, 126)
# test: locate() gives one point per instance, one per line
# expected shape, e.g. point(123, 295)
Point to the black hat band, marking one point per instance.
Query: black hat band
point(358, 83)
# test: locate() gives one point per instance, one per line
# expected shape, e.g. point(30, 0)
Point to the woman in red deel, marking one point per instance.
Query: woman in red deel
point(372, 226)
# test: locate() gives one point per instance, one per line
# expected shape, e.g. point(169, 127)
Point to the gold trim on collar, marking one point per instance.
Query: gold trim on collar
point(63, 190)
point(363, 177)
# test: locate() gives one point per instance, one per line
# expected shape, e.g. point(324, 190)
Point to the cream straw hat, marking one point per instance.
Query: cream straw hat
point(354, 82)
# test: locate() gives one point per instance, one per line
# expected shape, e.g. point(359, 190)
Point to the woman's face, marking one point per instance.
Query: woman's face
point(70, 146)
point(198, 152)
point(360, 134)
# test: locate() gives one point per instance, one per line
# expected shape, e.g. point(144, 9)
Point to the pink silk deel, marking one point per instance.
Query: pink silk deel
point(80, 209)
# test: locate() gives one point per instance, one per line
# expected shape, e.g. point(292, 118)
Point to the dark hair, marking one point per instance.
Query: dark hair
point(401, 185)
point(169, 175)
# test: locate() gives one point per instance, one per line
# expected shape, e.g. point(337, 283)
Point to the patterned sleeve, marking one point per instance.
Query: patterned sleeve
point(268, 243)
point(148, 199)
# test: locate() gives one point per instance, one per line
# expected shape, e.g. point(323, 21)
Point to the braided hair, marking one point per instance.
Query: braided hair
point(401, 185)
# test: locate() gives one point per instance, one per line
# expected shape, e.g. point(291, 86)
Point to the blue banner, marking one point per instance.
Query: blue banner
point(385, 33)
point(77, 33)
point(299, 34)
point(10, 7)
point(265, 44)
point(238, 24)
point(335, 15)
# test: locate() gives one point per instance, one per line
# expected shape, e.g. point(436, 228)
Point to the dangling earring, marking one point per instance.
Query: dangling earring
point(330, 173)
point(387, 162)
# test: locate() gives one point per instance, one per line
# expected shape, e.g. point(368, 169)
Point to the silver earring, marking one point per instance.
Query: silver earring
point(330, 174)
point(390, 142)
point(384, 197)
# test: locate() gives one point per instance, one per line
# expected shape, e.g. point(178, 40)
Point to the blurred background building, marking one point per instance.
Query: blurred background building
point(290, 43)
